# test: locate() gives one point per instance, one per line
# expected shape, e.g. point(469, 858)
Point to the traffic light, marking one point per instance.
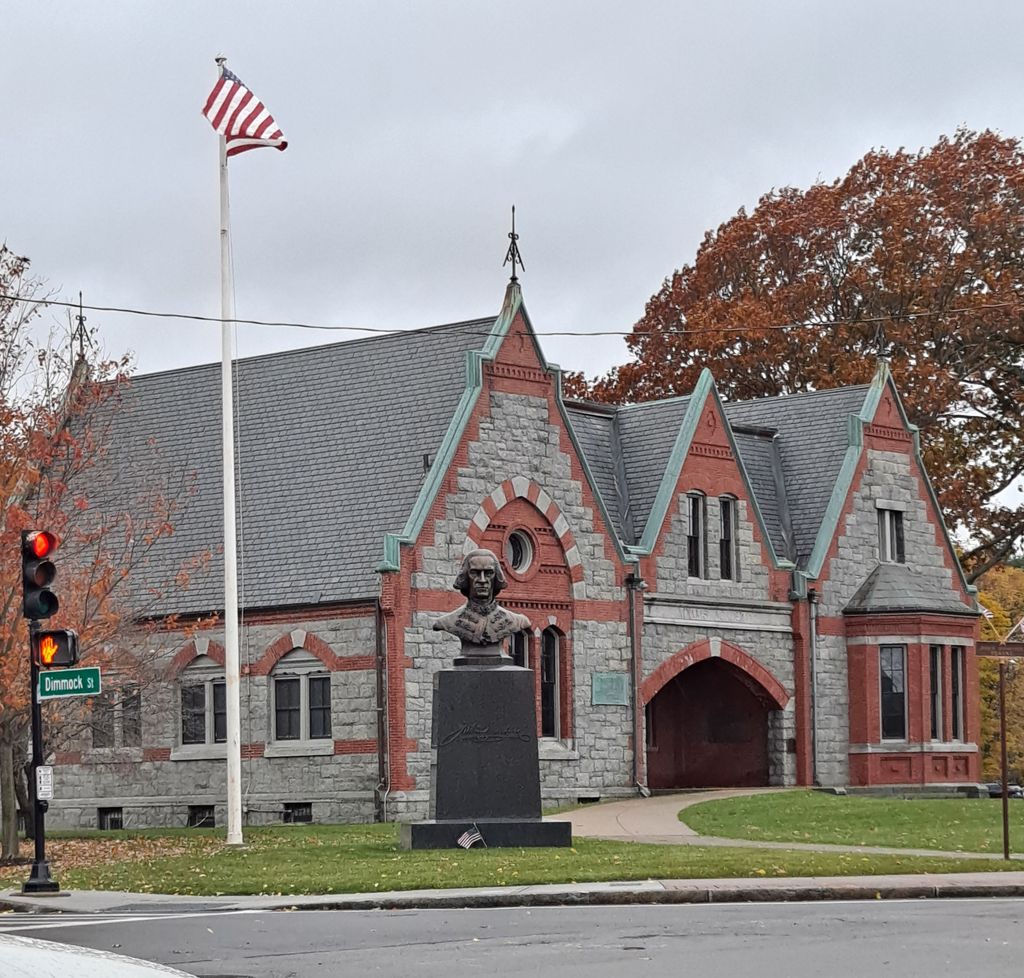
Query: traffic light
point(55, 649)
point(38, 572)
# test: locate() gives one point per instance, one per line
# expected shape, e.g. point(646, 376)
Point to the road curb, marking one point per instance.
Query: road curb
point(651, 892)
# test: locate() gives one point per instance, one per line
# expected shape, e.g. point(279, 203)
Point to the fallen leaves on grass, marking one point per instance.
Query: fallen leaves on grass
point(91, 853)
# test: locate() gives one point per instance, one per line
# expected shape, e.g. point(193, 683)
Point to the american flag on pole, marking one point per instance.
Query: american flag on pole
point(240, 117)
point(470, 837)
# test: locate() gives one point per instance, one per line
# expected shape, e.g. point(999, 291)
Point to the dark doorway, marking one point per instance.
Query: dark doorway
point(708, 728)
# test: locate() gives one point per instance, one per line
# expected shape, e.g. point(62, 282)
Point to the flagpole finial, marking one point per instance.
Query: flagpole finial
point(513, 255)
point(220, 59)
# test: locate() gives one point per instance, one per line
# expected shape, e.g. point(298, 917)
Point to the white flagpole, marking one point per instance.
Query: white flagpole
point(231, 667)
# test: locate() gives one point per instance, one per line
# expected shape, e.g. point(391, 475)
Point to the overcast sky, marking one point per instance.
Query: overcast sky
point(621, 132)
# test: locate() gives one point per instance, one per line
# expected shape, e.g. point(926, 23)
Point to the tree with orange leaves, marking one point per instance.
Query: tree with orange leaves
point(54, 413)
point(915, 255)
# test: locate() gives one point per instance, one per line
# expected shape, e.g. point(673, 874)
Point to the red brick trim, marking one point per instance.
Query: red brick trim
point(699, 651)
point(68, 757)
point(156, 753)
point(520, 487)
point(253, 750)
point(316, 646)
point(355, 747)
point(911, 625)
point(188, 653)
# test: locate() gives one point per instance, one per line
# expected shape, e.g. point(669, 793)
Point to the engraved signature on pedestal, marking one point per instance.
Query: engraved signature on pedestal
point(481, 733)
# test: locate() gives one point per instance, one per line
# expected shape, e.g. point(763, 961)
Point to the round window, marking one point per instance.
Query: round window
point(518, 551)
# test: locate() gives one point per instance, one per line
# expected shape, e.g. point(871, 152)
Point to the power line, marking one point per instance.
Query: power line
point(822, 324)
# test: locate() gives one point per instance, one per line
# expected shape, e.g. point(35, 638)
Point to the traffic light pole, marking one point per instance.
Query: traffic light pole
point(39, 880)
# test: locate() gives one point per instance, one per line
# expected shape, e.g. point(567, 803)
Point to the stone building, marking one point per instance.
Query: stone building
point(760, 592)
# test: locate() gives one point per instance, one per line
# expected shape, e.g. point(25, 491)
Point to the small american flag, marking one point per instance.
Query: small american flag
point(986, 613)
point(470, 837)
point(240, 117)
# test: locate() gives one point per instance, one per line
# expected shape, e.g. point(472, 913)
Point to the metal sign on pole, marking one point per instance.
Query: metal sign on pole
point(69, 682)
point(44, 783)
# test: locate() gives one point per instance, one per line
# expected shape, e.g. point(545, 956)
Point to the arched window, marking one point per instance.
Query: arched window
point(550, 672)
point(521, 650)
point(301, 699)
point(728, 563)
point(203, 703)
point(696, 535)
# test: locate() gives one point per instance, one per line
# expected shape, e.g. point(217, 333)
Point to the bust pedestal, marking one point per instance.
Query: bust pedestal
point(486, 771)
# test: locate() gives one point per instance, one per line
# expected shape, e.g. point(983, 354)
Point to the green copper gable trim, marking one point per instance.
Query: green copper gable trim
point(475, 359)
point(474, 384)
point(666, 491)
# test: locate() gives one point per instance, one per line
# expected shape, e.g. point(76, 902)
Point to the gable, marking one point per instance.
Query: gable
point(883, 451)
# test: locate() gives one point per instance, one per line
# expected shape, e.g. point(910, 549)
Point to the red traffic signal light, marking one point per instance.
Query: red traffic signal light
point(55, 649)
point(38, 572)
point(41, 542)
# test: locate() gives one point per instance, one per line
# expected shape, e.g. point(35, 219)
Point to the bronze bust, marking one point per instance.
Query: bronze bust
point(482, 624)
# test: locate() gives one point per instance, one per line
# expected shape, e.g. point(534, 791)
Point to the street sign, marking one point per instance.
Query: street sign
point(1001, 650)
point(44, 784)
point(69, 682)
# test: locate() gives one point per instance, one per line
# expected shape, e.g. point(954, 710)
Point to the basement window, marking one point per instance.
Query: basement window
point(201, 817)
point(108, 819)
point(297, 811)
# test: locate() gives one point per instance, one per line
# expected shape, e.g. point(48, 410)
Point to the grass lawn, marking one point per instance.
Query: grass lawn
point(364, 858)
point(949, 824)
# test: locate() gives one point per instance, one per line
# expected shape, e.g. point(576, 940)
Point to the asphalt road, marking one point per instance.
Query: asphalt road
point(791, 940)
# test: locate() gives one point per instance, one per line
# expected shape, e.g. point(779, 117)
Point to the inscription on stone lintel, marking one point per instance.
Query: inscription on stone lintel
point(479, 733)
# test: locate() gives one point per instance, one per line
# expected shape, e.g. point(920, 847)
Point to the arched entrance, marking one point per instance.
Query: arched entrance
point(708, 721)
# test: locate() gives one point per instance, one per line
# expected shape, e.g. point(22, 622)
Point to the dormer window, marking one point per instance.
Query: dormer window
point(890, 536)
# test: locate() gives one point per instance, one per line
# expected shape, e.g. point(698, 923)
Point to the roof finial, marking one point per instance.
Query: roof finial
point(512, 255)
point(80, 335)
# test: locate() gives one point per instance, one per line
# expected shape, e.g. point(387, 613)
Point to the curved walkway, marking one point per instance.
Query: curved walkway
point(656, 820)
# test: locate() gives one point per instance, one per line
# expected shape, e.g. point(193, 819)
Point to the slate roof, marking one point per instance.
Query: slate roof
point(330, 458)
point(813, 438)
point(899, 588)
point(811, 443)
point(331, 452)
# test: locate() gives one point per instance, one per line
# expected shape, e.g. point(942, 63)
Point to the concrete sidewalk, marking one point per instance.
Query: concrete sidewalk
point(655, 820)
point(645, 820)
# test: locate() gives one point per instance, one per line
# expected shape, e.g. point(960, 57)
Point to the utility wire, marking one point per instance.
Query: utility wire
point(822, 324)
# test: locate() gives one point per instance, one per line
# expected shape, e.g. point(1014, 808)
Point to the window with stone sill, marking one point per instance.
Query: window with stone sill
point(935, 674)
point(115, 718)
point(957, 663)
point(892, 673)
point(300, 701)
point(696, 535)
point(728, 557)
point(550, 683)
point(891, 549)
point(202, 704)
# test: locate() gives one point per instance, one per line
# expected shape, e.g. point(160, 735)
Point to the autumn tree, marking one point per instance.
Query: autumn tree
point(1002, 595)
point(919, 255)
point(55, 411)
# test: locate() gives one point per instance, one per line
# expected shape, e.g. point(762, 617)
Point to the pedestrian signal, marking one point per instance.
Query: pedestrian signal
point(55, 649)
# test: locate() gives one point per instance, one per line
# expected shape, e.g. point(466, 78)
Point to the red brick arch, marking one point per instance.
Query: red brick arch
point(316, 646)
point(519, 487)
point(192, 650)
point(709, 649)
